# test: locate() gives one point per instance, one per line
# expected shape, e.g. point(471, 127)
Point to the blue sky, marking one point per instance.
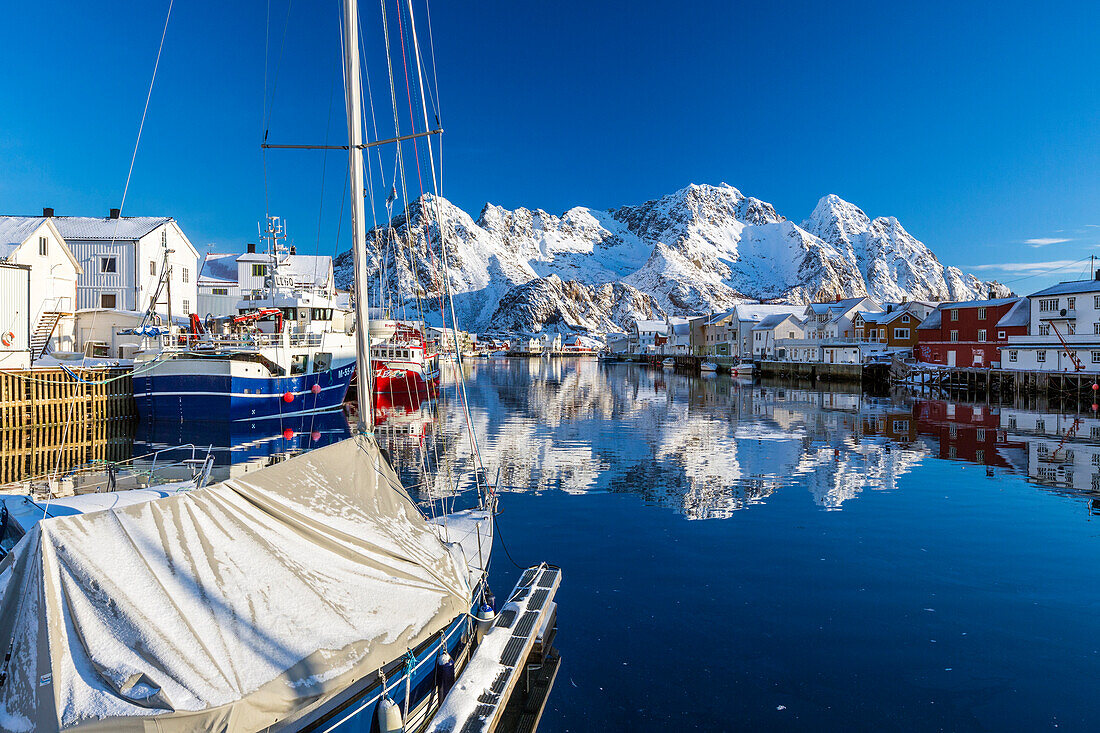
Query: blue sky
point(977, 125)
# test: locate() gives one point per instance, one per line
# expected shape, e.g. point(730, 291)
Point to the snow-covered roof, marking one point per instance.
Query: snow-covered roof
point(934, 320)
point(14, 230)
point(651, 326)
point(218, 268)
point(93, 227)
point(1073, 286)
point(1017, 315)
point(759, 311)
point(985, 303)
point(680, 326)
point(769, 322)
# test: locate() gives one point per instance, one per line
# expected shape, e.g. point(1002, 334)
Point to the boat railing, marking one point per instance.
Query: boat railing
point(240, 342)
point(198, 466)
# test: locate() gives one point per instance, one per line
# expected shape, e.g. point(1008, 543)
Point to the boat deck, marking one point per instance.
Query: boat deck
point(477, 702)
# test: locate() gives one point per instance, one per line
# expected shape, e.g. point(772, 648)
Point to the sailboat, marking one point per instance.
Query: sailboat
point(312, 595)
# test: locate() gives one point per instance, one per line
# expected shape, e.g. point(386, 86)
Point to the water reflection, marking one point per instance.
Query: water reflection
point(710, 447)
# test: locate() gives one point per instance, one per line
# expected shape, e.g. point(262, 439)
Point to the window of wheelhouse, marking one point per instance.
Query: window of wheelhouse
point(322, 361)
point(299, 364)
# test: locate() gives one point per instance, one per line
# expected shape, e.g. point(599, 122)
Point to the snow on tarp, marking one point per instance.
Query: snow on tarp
point(226, 608)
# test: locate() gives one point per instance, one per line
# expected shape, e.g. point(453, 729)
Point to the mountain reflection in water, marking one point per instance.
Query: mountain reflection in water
point(707, 447)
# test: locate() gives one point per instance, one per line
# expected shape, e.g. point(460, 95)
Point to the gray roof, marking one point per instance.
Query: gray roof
point(1017, 315)
point(14, 230)
point(126, 228)
point(934, 320)
point(218, 268)
point(983, 303)
point(1073, 286)
point(768, 322)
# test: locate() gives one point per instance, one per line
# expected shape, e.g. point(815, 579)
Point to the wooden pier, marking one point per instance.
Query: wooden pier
point(1073, 390)
point(55, 396)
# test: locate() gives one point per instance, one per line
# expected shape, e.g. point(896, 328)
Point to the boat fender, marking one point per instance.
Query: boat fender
point(288, 397)
point(389, 717)
point(445, 673)
point(8, 338)
point(315, 389)
point(485, 616)
point(490, 599)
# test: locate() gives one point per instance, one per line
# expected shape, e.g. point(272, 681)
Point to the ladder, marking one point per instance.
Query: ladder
point(43, 332)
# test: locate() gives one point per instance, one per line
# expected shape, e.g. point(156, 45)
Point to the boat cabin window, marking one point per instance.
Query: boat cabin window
point(10, 533)
point(320, 314)
point(299, 364)
point(322, 361)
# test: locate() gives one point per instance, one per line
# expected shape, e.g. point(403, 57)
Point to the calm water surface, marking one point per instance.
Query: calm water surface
point(747, 558)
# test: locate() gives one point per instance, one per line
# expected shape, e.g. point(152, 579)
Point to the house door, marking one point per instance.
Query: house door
point(950, 358)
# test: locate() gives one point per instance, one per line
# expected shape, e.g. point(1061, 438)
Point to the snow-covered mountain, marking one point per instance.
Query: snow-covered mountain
point(703, 248)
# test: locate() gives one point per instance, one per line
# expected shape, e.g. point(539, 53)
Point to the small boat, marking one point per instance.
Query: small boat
point(669, 363)
point(406, 363)
point(708, 366)
point(744, 369)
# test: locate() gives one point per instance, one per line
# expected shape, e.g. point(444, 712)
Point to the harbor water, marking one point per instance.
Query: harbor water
point(742, 556)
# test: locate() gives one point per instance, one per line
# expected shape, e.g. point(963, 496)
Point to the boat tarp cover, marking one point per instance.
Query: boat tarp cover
point(227, 608)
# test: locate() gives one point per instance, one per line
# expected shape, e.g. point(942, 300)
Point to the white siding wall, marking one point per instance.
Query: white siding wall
point(93, 283)
point(185, 265)
point(15, 316)
point(53, 283)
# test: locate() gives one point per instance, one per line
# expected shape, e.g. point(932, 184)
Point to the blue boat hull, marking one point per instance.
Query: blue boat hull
point(228, 398)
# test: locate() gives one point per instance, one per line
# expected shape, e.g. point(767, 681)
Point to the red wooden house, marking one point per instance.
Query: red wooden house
point(970, 334)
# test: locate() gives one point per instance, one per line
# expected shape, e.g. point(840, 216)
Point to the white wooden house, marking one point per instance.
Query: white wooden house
point(1063, 332)
point(35, 242)
point(217, 287)
point(770, 330)
point(15, 340)
point(123, 258)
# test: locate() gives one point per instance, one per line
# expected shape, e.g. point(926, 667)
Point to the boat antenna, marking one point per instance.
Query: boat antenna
point(353, 89)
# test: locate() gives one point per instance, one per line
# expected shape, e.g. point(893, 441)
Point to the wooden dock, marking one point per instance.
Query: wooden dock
point(37, 450)
point(55, 396)
point(1065, 389)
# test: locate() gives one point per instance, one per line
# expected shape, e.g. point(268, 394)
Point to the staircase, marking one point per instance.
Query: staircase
point(43, 332)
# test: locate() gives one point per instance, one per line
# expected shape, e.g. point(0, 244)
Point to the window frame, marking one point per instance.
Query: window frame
point(103, 260)
point(43, 247)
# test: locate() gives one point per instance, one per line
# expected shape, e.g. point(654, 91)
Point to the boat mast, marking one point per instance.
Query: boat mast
point(352, 94)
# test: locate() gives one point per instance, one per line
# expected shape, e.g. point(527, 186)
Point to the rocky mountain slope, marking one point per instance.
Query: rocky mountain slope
point(703, 248)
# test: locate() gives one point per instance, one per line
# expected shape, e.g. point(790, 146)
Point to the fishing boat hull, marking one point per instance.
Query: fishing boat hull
point(708, 366)
point(233, 390)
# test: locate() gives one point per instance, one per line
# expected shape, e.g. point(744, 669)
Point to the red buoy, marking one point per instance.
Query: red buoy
point(1095, 386)
point(315, 435)
point(288, 397)
point(316, 389)
point(288, 433)
point(1095, 407)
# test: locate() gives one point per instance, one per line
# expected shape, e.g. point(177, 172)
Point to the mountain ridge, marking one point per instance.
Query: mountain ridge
point(699, 249)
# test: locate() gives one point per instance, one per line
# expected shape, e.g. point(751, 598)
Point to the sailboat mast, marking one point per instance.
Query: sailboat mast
point(353, 96)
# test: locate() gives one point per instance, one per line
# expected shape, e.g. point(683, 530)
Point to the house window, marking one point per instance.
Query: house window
point(1096, 357)
point(259, 270)
point(1044, 329)
point(1013, 354)
point(981, 314)
point(107, 300)
point(108, 265)
point(186, 305)
point(219, 291)
point(981, 334)
point(1040, 426)
point(1071, 328)
point(901, 333)
point(186, 275)
point(1040, 356)
point(1096, 302)
point(979, 456)
point(954, 336)
point(1000, 335)
point(979, 434)
point(954, 314)
point(1047, 305)
point(163, 237)
point(152, 267)
point(1071, 303)
point(900, 426)
point(905, 319)
point(42, 246)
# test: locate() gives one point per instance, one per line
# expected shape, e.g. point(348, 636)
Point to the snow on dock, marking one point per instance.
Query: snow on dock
point(481, 693)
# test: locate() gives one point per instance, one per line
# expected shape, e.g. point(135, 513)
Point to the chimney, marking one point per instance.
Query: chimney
point(251, 248)
point(47, 211)
point(115, 213)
